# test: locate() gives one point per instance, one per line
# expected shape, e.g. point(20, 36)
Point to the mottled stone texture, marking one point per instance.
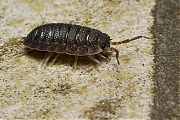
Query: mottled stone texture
point(95, 91)
point(167, 33)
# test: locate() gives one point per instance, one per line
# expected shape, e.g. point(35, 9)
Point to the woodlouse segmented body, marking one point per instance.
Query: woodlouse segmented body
point(66, 38)
point(71, 39)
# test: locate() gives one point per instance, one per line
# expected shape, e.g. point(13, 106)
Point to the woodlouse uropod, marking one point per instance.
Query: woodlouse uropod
point(71, 39)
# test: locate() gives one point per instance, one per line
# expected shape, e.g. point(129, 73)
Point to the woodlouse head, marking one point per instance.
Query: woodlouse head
point(104, 41)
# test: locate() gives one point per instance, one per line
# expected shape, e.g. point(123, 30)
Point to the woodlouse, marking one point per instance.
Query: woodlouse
point(71, 39)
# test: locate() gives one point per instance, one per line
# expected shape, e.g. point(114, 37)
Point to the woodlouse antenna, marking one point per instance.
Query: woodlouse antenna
point(129, 40)
point(124, 41)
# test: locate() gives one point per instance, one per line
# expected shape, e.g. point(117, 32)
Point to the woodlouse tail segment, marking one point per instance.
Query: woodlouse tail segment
point(24, 38)
point(111, 49)
point(129, 40)
point(22, 52)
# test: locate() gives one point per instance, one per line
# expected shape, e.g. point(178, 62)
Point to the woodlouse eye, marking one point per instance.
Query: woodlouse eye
point(103, 46)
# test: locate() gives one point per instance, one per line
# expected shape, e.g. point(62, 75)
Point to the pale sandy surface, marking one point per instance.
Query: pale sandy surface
point(106, 90)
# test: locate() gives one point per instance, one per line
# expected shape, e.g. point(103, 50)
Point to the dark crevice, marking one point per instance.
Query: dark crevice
point(167, 34)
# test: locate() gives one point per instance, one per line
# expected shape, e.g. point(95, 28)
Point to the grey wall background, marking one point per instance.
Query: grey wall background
point(166, 31)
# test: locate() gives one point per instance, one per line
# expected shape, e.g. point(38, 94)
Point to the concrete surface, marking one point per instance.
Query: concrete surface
point(166, 30)
point(104, 91)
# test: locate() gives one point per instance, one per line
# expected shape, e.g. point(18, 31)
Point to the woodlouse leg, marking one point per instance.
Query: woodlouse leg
point(93, 59)
point(117, 53)
point(54, 60)
point(102, 56)
point(46, 58)
point(75, 62)
point(129, 40)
